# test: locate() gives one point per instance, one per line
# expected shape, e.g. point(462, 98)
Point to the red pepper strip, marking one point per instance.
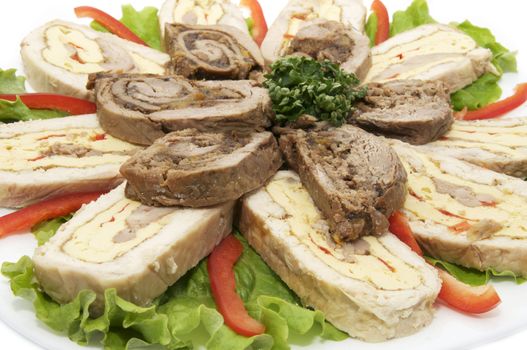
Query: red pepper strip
point(223, 285)
point(108, 22)
point(460, 227)
point(71, 105)
point(383, 22)
point(461, 296)
point(257, 15)
point(399, 226)
point(458, 295)
point(28, 217)
point(499, 108)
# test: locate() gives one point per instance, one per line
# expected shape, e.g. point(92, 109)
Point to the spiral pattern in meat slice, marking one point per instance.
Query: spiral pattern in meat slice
point(196, 169)
point(211, 52)
point(143, 108)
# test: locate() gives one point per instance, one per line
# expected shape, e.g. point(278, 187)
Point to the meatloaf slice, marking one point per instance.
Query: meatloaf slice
point(414, 111)
point(197, 169)
point(142, 108)
point(211, 52)
point(355, 178)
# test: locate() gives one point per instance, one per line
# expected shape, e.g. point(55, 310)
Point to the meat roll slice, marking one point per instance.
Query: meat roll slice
point(211, 52)
point(143, 108)
point(208, 12)
point(59, 56)
point(140, 251)
point(355, 178)
point(196, 169)
point(414, 111)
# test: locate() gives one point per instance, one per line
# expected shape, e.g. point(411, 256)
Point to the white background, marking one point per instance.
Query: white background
point(506, 18)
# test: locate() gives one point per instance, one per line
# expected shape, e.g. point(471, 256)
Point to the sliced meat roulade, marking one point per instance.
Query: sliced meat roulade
point(143, 108)
point(59, 56)
point(208, 12)
point(211, 52)
point(355, 178)
point(414, 111)
point(197, 169)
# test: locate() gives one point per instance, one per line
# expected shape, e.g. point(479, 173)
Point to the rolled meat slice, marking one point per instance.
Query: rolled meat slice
point(355, 179)
point(196, 169)
point(211, 52)
point(41, 159)
point(59, 56)
point(298, 14)
point(202, 12)
point(142, 108)
point(140, 251)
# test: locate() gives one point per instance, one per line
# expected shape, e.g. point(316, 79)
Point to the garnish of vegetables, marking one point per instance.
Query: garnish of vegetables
point(257, 20)
point(456, 294)
point(26, 218)
point(383, 22)
point(223, 285)
point(68, 104)
point(301, 85)
point(108, 22)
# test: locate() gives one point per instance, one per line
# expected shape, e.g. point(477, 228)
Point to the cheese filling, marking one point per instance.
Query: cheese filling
point(375, 264)
point(414, 58)
point(465, 205)
point(71, 148)
point(117, 230)
point(202, 12)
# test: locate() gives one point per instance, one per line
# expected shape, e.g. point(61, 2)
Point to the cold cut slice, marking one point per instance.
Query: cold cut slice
point(212, 52)
point(59, 56)
point(143, 108)
point(198, 169)
point(355, 178)
point(209, 12)
point(118, 243)
point(374, 289)
point(414, 111)
point(47, 158)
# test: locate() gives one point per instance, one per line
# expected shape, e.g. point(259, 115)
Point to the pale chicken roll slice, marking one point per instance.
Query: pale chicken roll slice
point(59, 56)
point(143, 108)
point(140, 251)
point(202, 12)
point(431, 52)
point(212, 52)
point(42, 159)
point(374, 288)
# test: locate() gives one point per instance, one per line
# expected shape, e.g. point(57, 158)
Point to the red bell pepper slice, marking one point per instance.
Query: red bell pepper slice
point(257, 15)
point(399, 226)
point(112, 24)
point(28, 217)
point(71, 105)
point(223, 285)
point(461, 296)
point(458, 295)
point(499, 108)
point(383, 22)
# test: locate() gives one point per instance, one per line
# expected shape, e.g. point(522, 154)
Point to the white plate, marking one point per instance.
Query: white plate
point(449, 330)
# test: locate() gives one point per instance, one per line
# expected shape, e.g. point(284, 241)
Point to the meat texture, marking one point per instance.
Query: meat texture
point(196, 169)
point(143, 108)
point(355, 178)
point(211, 52)
point(414, 111)
point(331, 40)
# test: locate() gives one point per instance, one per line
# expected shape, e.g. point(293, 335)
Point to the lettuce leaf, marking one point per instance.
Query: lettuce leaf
point(473, 277)
point(144, 24)
point(415, 15)
point(504, 59)
point(371, 28)
point(182, 318)
point(47, 229)
point(10, 83)
point(479, 94)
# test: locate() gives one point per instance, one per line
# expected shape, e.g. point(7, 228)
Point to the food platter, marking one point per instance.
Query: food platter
point(449, 330)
